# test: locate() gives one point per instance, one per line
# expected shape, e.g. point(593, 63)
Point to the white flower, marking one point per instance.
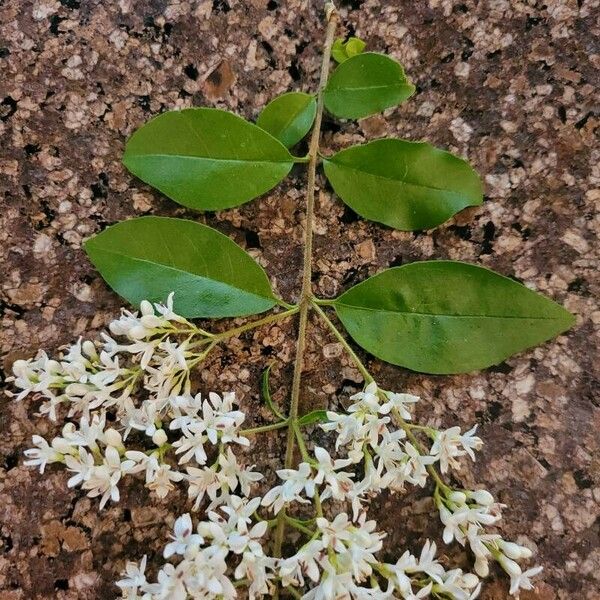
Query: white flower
point(191, 445)
point(522, 581)
point(103, 479)
point(367, 400)
point(398, 402)
point(162, 478)
point(44, 453)
point(294, 483)
point(338, 483)
point(427, 562)
point(416, 465)
point(333, 586)
point(304, 562)
point(450, 444)
point(82, 465)
point(183, 537)
point(259, 570)
point(335, 533)
point(135, 578)
point(201, 482)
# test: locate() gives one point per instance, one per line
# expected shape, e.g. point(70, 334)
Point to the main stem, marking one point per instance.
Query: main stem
point(306, 291)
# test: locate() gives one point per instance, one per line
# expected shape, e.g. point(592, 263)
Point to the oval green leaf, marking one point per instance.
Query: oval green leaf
point(289, 117)
point(447, 317)
point(366, 84)
point(206, 159)
point(406, 185)
point(149, 257)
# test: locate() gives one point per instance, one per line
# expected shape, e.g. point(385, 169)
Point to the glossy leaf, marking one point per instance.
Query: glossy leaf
point(149, 257)
point(342, 51)
point(406, 185)
point(366, 84)
point(266, 394)
point(289, 117)
point(207, 159)
point(316, 416)
point(447, 317)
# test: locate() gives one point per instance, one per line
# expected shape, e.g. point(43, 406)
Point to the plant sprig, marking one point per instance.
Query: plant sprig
point(431, 316)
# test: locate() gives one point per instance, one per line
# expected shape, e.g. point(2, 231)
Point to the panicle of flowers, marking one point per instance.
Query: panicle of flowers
point(155, 350)
point(184, 437)
point(130, 411)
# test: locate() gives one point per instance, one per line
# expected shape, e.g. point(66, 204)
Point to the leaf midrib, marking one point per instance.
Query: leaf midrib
point(393, 179)
point(143, 260)
point(334, 90)
point(450, 316)
point(194, 157)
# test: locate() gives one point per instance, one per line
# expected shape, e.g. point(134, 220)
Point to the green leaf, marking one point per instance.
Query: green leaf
point(354, 46)
point(342, 51)
point(149, 257)
point(447, 316)
point(207, 159)
point(366, 84)
point(406, 185)
point(289, 117)
point(338, 51)
point(316, 416)
point(266, 393)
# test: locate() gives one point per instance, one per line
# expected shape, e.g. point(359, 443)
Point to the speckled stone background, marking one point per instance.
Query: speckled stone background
point(508, 84)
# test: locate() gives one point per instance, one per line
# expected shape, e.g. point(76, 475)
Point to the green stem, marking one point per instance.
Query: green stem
point(336, 332)
point(306, 292)
point(265, 428)
point(219, 337)
point(294, 523)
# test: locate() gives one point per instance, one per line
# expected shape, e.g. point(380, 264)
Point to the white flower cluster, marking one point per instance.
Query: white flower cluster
point(206, 568)
point(93, 380)
point(137, 390)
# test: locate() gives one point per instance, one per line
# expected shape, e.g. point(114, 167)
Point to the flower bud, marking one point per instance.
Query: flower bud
point(482, 568)
point(89, 349)
point(112, 438)
point(457, 497)
point(470, 580)
point(482, 497)
point(526, 552)
point(146, 308)
point(509, 565)
point(160, 437)
point(511, 549)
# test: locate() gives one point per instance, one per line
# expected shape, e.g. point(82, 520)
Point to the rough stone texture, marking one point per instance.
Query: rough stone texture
point(508, 84)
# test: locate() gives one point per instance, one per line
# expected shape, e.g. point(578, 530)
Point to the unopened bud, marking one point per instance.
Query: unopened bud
point(457, 497)
point(482, 497)
point(112, 438)
point(482, 568)
point(146, 308)
point(160, 437)
point(509, 565)
point(469, 580)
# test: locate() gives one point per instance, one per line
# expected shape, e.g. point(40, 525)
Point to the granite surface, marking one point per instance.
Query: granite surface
point(510, 84)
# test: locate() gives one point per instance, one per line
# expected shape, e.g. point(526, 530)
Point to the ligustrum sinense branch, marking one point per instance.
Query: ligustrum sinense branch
point(306, 291)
